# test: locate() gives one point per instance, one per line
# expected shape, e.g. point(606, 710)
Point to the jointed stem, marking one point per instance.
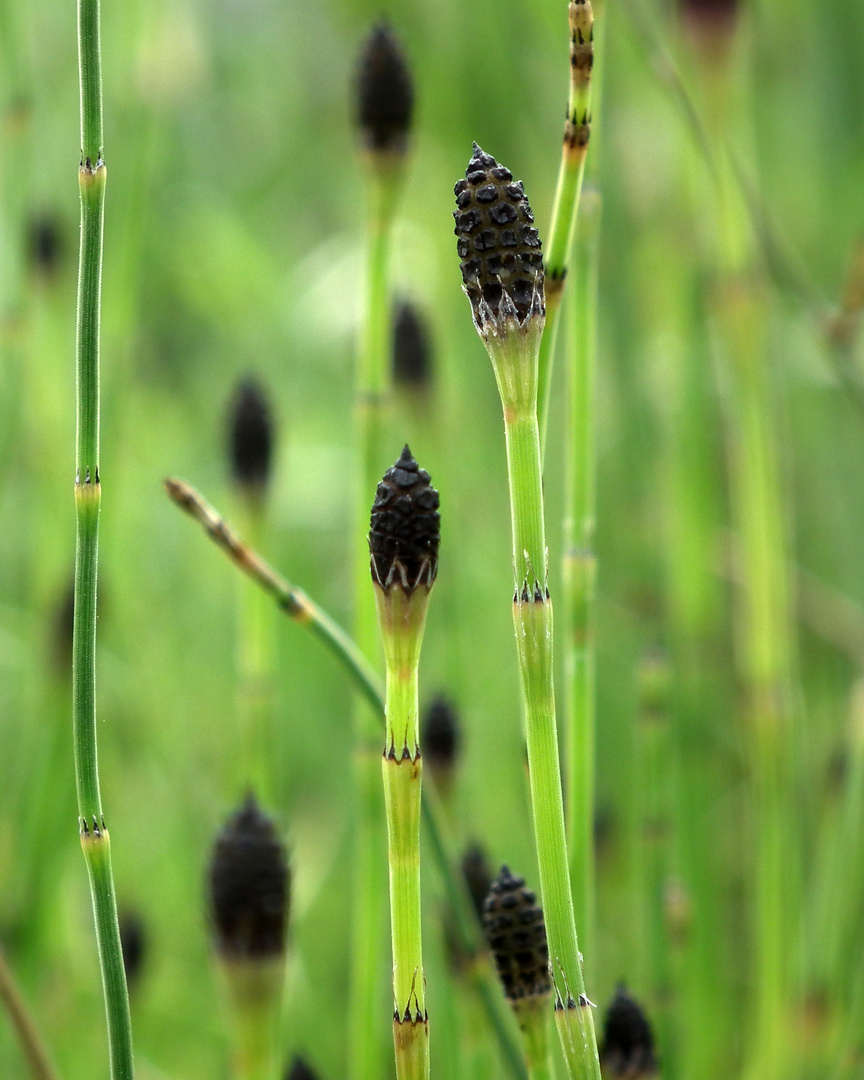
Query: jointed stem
point(373, 392)
point(94, 835)
point(532, 613)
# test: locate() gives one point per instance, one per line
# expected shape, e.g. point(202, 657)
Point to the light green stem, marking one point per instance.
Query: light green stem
point(373, 394)
point(580, 568)
point(565, 210)
point(94, 836)
point(532, 612)
point(402, 617)
point(532, 1015)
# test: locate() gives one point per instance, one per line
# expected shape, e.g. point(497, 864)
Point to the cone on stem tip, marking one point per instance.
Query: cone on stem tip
point(405, 528)
point(384, 93)
point(133, 942)
point(250, 887)
point(516, 933)
point(499, 249)
point(440, 737)
point(711, 26)
point(300, 1069)
point(627, 1051)
point(251, 436)
point(412, 354)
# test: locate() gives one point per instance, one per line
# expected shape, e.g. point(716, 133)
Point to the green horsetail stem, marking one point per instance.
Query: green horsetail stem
point(502, 274)
point(95, 841)
point(403, 541)
point(251, 442)
point(580, 566)
point(516, 934)
point(384, 102)
point(297, 606)
point(565, 210)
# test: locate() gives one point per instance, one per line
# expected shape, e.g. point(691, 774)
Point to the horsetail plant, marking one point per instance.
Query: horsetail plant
point(305, 612)
point(565, 211)
point(251, 437)
point(384, 102)
point(517, 938)
point(88, 493)
point(502, 273)
point(403, 541)
point(249, 894)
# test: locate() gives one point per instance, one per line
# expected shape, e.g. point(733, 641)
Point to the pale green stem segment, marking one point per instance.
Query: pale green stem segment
point(299, 607)
point(94, 836)
point(402, 618)
point(565, 211)
point(580, 567)
point(514, 359)
point(765, 636)
point(365, 1048)
point(533, 1016)
point(32, 1047)
point(253, 988)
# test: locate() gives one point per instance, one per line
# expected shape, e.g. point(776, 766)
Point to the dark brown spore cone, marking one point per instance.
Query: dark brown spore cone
point(385, 92)
point(478, 877)
point(249, 886)
point(299, 1069)
point(133, 944)
point(405, 528)
point(250, 435)
point(516, 933)
point(412, 350)
point(498, 246)
point(627, 1051)
point(440, 735)
point(46, 243)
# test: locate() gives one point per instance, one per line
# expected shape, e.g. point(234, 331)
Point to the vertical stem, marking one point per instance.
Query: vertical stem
point(402, 616)
point(580, 568)
point(532, 614)
point(373, 392)
point(94, 836)
point(565, 211)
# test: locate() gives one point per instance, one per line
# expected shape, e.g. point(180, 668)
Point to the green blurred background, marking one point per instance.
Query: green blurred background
point(234, 244)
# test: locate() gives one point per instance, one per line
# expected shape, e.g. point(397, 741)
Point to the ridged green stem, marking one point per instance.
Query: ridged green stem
point(565, 210)
point(514, 359)
point(580, 567)
point(402, 618)
point(366, 1050)
point(94, 836)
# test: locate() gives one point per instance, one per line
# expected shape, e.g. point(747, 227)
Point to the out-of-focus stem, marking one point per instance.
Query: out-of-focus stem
point(24, 1026)
point(580, 568)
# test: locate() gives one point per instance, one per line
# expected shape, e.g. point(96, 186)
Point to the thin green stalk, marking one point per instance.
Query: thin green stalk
point(580, 568)
point(532, 1015)
point(32, 1046)
point(94, 836)
point(293, 601)
point(299, 607)
point(373, 397)
point(565, 211)
point(402, 617)
point(532, 614)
